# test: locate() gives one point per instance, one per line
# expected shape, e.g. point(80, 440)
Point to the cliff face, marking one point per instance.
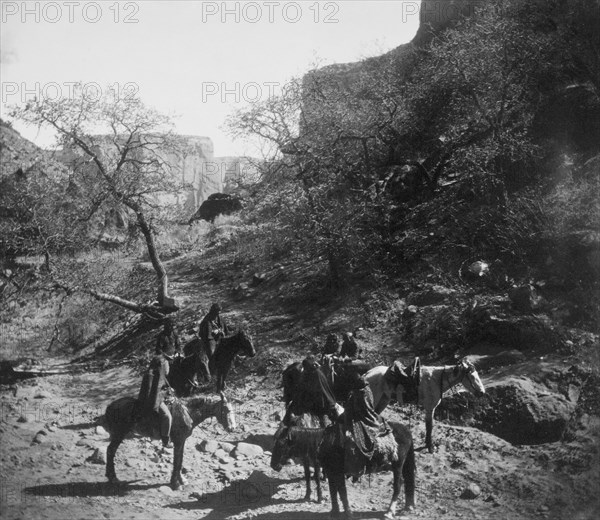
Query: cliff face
point(434, 17)
point(192, 164)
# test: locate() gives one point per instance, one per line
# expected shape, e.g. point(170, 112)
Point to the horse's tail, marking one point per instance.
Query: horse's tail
point(409, 472)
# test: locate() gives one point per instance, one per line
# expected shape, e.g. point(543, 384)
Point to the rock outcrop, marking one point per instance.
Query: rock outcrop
point(215, 205)
point(518, 408)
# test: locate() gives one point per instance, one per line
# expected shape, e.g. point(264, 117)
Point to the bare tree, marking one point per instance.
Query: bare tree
point(117, 152)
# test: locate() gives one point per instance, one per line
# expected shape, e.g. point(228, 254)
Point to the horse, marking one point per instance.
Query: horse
point(187, 369)
point(434, 382)
point(300, 441)
point(227, 348)
point(338, 375)
point(187, 413)
point(395, 449)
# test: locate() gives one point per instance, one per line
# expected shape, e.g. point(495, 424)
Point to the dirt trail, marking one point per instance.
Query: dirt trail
point(53, 478)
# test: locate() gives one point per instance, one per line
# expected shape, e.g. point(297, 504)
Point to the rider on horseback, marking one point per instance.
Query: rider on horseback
point(362, 424)
point(314, 394)
point(150, 398)
point(211, 329)
point(167, 341)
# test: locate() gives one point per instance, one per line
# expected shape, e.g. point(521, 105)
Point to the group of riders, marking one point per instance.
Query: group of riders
point(211, 329)
point(356, 416)
point(315, 393)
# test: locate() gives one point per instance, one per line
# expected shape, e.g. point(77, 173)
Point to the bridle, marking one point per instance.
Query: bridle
point(467, 369)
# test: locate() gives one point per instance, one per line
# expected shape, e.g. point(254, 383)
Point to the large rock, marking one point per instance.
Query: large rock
point(488, 323)
point(217, 204)
point(518, 409)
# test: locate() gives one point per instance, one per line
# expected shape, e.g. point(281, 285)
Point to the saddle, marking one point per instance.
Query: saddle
point(362, 452)
point(409, 378)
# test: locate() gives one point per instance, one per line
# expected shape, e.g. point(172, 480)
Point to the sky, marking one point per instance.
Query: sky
point(195, 60)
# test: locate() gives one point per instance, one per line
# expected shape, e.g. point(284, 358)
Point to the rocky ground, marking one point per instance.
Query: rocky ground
point(51, 454)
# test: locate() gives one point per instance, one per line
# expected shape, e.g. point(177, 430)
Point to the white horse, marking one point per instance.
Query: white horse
point(434, 382)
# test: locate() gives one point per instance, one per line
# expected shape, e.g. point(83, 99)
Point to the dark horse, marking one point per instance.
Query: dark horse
point(186, 370)
point(339, 375)
point(227, 348)
point(195, 364)
point(121, 418)
point(300, 441)
point(395, 450)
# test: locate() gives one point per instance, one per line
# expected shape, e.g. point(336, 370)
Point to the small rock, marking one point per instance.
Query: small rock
point(101, 431)
point(99, 456)
point(166, 490)
point(222, 456)
point(51, 427)
point(208, 446)
point(247, 450)
point(471, 491)
point(41, 394)
point(227, 447)
point(155, 458)
point(82, 442)
point(23, 419)
point(38, 439)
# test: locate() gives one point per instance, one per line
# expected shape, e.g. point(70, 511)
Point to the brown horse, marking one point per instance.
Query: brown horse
point(300, 441)
point(227, 348)
point(120, 419)
point(395, 450)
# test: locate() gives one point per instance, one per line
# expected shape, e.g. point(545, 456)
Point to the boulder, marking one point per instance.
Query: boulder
point(215, 205)
point(517, 410)
point(490, 324)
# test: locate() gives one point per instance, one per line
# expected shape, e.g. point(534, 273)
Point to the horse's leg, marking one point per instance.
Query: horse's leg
point(178, 447)
point(224, 372)
point(391, 512)
point(219, 380)
point(409, 470)
point(333, 491)
point(307, 478)
point(428, 429)
point(318, 481)
point(115, 441)
point(341, 486)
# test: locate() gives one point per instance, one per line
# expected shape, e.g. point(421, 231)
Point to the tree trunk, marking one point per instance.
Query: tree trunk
point(159, 268)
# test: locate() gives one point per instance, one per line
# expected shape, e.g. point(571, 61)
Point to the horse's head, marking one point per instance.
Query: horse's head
point(281, 448)
point(470, 378)
point(246, 347)
point(227, 416)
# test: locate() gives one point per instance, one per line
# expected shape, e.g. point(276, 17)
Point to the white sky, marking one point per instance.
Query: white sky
point(181, 55)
